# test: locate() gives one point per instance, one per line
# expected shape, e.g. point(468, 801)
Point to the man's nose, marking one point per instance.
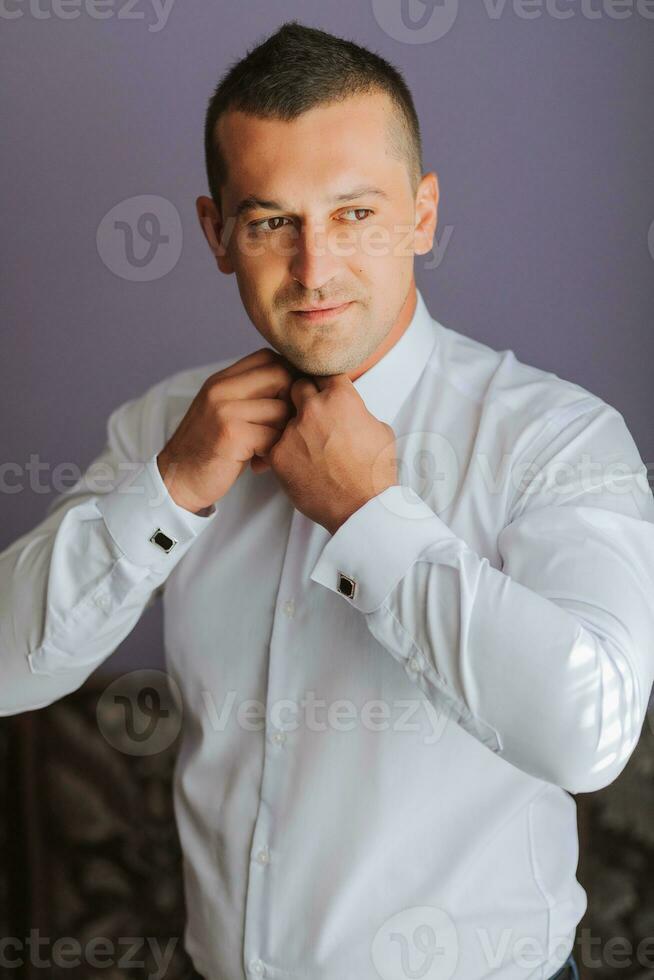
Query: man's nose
point(314, 260)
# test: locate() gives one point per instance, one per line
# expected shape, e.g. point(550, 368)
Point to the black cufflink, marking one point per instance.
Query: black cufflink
point(346, 585)
point(165, 542)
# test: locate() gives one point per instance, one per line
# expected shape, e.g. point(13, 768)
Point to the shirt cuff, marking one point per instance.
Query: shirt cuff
point(141, 506)
point(377, 544)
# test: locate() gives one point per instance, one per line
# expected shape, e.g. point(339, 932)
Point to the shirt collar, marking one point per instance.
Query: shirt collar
point(385, 385)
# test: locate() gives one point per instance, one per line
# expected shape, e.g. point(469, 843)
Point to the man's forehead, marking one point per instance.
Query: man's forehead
point(263, 173)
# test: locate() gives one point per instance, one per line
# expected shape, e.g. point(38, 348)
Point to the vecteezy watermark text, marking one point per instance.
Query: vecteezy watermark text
point(95, 9)
point(100, 952)
point(426, 458)
point(141, 713)
point(426, 21)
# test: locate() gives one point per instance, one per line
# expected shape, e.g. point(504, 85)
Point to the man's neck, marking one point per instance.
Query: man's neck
point(403, 320)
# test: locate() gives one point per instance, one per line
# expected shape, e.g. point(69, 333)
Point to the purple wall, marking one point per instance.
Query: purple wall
point(538, 126)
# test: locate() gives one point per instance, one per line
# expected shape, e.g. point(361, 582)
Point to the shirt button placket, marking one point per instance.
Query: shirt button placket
point(280, 675)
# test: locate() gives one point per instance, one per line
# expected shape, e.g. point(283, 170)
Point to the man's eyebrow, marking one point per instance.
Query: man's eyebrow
point(253, 203)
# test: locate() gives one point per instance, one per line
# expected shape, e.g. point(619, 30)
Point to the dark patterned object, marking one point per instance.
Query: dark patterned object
point(616, 868)
point(98, 834)
point(89, 847)
point(4, 833)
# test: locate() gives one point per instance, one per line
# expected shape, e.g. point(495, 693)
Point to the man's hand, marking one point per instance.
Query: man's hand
point(237, 413)
point(333, 455)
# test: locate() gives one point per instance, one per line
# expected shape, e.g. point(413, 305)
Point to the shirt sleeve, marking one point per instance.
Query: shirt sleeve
point(548, 660)
point(73, 587)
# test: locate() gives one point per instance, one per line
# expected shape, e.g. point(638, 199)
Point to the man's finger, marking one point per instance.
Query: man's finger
point(301, 390)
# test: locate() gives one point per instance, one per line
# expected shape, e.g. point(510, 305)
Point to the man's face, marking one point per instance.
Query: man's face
point(304, 247)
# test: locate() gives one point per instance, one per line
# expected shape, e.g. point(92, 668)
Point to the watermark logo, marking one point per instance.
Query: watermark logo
point(419, 943)
point(415, 21)
point(426, 21)
point(424, 943)
point(427, 465)
point(140, 239)
point(140, 712)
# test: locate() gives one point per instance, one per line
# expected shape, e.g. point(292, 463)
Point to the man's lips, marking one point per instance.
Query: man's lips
point(322, 312)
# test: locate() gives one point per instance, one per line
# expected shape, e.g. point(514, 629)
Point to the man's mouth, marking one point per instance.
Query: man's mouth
point(321, 312)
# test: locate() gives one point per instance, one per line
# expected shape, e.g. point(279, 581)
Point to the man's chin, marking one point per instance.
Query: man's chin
point(307, 366)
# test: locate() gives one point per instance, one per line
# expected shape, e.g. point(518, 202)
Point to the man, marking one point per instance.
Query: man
point(427, 563)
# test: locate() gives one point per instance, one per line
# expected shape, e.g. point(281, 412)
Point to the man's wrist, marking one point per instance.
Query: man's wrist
point(336, 522)
point(167, 469)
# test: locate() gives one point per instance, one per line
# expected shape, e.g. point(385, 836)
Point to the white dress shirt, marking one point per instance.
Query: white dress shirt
point(402, 808)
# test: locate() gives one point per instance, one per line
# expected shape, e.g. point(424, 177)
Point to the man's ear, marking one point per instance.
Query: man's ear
point(426, 213)
point(214, 231)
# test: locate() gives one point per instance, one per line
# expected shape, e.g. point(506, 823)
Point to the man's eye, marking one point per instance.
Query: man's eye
point(261, 225)
point(355, 210)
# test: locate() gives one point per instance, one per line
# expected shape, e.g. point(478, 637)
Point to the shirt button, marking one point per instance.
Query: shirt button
point(289, 607)
point(257, 968)
point(263, 857)
point(414, 663)
point(102, 601)
point(279, 738)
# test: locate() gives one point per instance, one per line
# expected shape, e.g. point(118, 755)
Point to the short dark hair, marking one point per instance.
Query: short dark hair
point(298, 68)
